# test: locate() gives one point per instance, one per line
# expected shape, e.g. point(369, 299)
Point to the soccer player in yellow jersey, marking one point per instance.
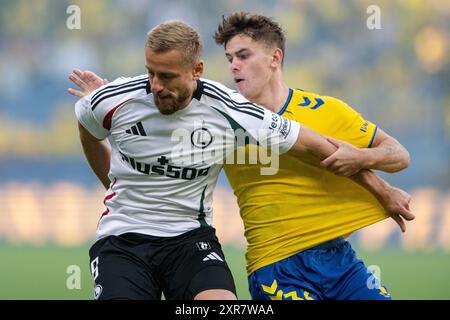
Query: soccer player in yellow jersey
point(296, 221)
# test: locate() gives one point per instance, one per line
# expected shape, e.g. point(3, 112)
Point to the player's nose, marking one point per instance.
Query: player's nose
point(235, 66)
point(157, 85)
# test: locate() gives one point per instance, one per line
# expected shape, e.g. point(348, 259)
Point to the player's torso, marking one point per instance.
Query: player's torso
point(296, 208)
point(177, 146)
point(164, 167)
point(296, 176)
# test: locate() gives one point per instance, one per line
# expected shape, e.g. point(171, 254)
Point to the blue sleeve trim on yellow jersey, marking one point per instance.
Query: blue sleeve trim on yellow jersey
point(373, 137)
point(287, 102)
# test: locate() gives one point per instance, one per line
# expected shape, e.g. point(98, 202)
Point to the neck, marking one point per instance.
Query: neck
point(273, 96)
point(189, 98)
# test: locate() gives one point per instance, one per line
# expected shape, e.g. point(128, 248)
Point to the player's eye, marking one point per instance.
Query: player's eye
point(243, 56)
point(166, 76)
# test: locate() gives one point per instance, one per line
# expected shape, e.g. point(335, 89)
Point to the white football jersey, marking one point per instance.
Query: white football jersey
point(164, 168)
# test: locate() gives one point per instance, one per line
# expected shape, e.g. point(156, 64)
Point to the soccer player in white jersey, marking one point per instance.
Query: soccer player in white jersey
point(155, 235)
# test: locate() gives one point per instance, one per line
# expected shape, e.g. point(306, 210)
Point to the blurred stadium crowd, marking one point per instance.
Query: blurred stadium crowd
point(398, 77)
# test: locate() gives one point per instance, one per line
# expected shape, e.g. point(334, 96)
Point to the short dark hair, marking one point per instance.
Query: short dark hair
point(257, 27)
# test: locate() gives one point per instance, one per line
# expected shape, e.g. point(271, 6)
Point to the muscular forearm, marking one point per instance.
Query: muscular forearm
point(373, 183)
point(98, 155)
point(313, 144)
point(389, 156)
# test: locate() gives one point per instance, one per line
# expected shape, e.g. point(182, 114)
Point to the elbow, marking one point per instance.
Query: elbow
point(405, 160)
point(402, 163)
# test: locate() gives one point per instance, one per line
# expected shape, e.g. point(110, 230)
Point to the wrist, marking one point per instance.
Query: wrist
point(377, 186)
point(368, 158)
point(383, 190)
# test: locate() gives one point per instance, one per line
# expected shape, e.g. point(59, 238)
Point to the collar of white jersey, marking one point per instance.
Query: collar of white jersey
point(199, 91)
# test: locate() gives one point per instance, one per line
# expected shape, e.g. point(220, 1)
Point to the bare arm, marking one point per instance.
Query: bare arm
point(98, 154)
point(386, 154)
point(395, 201)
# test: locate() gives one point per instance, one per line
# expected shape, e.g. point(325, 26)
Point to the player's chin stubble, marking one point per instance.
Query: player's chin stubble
point(171, 104)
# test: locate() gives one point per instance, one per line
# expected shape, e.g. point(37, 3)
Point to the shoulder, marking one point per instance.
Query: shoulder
point(217, 90)
point(117, 91)
point(313, 101)
point(220, 97)
point(100, 105)
point(333, 117)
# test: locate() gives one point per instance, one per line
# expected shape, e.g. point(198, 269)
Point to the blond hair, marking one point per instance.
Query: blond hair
point(176, 35)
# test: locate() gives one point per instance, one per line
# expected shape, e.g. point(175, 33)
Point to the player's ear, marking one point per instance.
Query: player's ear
point(198, 69)
point(277, 57)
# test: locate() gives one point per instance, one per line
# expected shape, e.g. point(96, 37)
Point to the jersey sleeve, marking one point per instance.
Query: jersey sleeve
point(277, 132)
point(269, 129)
point(94, 111)
point(349, 125)
point(87, 118)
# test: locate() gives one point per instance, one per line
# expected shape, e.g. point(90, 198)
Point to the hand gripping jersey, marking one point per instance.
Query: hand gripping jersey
point(304, 205)
point(164, 167)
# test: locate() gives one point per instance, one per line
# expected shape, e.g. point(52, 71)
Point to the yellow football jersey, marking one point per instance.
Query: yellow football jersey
point(303, 205)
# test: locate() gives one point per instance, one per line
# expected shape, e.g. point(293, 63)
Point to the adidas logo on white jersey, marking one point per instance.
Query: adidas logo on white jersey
point(137, 129)
point(213, 256)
